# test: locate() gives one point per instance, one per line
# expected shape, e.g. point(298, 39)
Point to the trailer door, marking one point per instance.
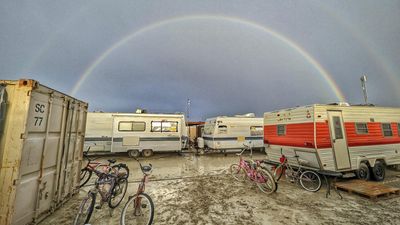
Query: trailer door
point(338, 138)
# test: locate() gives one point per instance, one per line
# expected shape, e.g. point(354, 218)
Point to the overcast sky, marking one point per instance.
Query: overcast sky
point(228, 57)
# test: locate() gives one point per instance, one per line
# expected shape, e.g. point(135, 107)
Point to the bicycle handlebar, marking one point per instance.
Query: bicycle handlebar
point(145, 169)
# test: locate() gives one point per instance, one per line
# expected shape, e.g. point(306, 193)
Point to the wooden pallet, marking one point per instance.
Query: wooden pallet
point(372, 190)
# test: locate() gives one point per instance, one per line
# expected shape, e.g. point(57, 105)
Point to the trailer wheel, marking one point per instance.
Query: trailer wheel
point(133, 153)
point(363, 172)
point(147, 152)
point(378, 171)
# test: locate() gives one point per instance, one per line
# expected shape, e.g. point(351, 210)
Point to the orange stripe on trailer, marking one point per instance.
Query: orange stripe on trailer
point(302, 135)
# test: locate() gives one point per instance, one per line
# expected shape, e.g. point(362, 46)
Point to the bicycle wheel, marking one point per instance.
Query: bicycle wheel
point(118, 193)
point(310, 181)
point(122, 170)
point(86, 174)
point(85, 209)
point(138, 210)
point(265, 181)
point(278, 171)
point(237, 172)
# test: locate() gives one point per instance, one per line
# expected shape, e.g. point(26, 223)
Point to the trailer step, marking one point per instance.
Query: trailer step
point(369, 189)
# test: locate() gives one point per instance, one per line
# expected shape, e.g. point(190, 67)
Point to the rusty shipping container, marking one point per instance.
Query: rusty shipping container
point(41, 140)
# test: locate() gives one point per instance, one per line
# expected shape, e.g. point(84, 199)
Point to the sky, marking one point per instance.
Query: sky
point(227, 57)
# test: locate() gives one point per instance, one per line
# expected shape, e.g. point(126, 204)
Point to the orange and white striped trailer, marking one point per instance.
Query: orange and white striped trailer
point(336, 137)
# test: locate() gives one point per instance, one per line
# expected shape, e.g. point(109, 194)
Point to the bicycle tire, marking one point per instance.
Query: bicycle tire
point(91, 198)
point(237, 172)
point(127, 221)
point(120, 168)
point(278, 171)
point(85, 176)
point(269, 185)
point(111, 204)
point(310, 181)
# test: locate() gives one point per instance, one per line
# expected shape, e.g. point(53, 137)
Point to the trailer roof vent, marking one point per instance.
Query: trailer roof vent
point(250, 115)
point(340, 104)
point(139, 111)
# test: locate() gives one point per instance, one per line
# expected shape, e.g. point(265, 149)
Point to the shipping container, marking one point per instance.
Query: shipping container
point(41, 141)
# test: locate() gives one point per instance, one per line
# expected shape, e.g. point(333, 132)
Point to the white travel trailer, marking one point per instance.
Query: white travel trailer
point(336, 137)
point(135, 133)
point(225, 132)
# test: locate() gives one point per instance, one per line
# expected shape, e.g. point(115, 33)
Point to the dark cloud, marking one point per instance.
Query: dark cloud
point(223, 67)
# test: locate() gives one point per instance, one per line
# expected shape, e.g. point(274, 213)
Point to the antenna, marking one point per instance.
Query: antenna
point(188, 108)
point(364, 88)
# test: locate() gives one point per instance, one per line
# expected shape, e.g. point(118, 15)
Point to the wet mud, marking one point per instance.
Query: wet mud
point(193, 189)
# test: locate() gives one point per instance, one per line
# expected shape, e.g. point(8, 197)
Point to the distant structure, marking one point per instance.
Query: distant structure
point(364, 88)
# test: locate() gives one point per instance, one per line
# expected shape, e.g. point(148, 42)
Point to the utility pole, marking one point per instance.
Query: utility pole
point(187, 117)
point(188, 109)
point(364, 88)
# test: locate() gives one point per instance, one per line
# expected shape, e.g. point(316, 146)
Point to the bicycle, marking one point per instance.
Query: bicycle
point(254, 172)
point(139, 209)
point(86, 173)
point(308, 179)
point(112, 188)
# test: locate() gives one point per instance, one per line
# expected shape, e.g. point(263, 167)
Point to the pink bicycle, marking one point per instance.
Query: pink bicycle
point(253, 171)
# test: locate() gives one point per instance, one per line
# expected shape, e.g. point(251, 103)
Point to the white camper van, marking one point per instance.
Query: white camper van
point(135, 133)
point(225, 132)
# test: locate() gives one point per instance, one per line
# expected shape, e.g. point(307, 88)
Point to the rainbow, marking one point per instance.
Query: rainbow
point(367, 45)
point(293, 45)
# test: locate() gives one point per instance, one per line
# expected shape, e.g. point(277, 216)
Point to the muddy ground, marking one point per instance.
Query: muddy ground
point(191, 189)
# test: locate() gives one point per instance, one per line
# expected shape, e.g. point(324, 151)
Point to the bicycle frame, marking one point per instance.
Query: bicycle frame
point(287, 167)
point(141, 187)
point(250, 167)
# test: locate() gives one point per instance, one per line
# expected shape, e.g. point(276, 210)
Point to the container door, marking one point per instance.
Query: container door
point(339, 141)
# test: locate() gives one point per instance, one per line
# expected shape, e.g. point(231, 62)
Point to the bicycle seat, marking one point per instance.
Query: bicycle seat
point(146, 169)
point(112, 161)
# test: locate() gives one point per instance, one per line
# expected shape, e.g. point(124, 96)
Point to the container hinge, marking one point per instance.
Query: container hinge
point(23, 136)
point(16, 182)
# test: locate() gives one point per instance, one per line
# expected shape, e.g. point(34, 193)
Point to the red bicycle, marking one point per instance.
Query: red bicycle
point(253, 171)
point(86, 173)
point(140, 207)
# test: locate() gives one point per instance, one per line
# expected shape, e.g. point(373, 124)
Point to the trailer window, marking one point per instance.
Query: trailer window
point(387, 130)
point(156, 126)
point(222, 129)
point(361, 128)
point(167, 126)
point(281, 130)
point(209, 128)
point(256, 130)
point(164, 126)
point(131, 126)
point(338, 127)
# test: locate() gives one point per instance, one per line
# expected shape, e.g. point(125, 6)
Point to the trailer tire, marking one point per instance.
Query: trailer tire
point(363, 171)
point(133, 153)
point(147, 152)
point(378, 171)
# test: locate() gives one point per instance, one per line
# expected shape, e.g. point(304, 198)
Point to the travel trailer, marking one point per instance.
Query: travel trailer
point(223, 132)
point(135, 133)
point(41, 142)
point(336, 137)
